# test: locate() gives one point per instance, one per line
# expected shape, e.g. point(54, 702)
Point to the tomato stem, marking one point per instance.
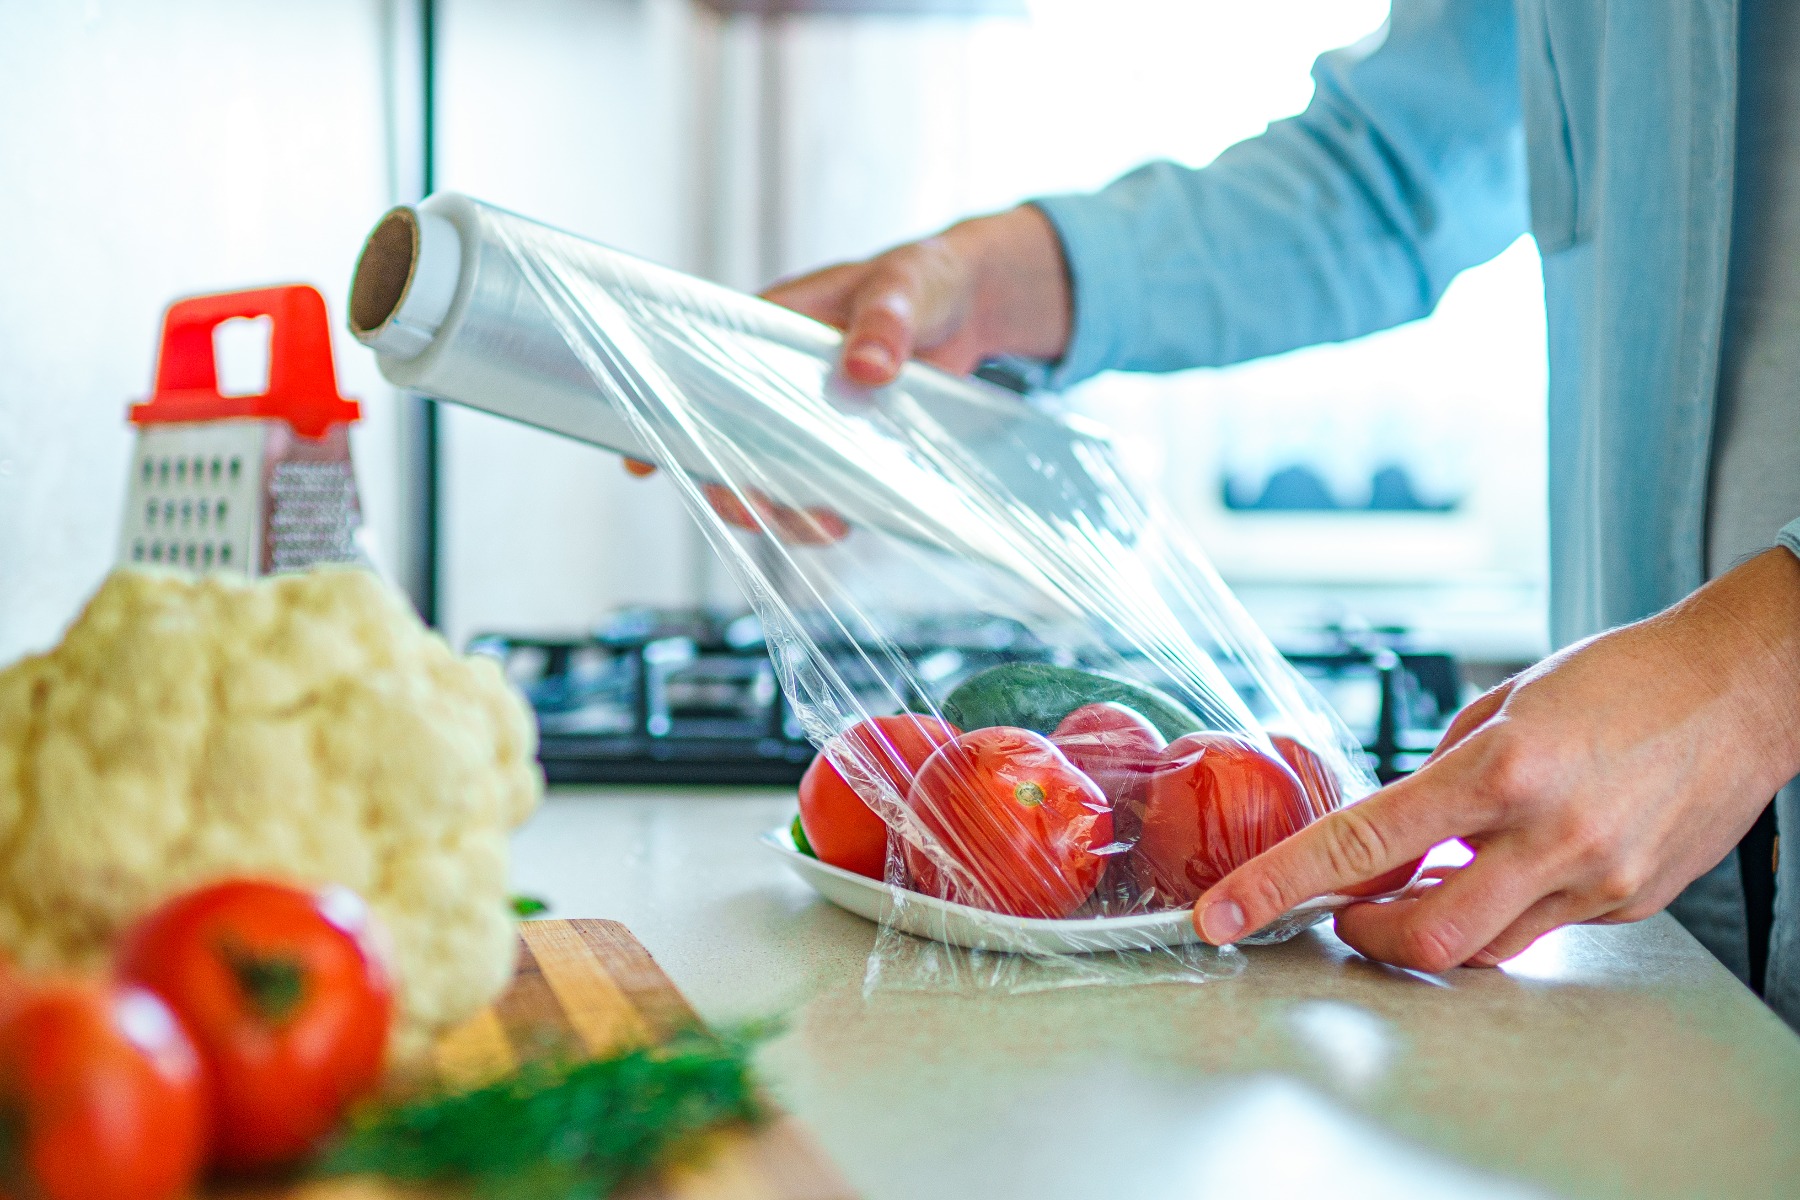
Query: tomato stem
point(15, 1177)
point(275, 985)
point(1029, 794)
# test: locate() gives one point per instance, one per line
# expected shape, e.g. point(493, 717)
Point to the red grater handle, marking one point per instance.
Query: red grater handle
point(302, 383)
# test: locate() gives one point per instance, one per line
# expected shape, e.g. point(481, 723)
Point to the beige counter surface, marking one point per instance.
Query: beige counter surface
point(1604, 1062)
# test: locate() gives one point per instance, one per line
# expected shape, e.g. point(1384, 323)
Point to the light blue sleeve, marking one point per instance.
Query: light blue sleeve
point(1407, 167)
point(1790, 536)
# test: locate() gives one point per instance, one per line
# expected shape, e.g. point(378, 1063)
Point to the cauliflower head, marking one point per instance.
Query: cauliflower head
point(304, 727)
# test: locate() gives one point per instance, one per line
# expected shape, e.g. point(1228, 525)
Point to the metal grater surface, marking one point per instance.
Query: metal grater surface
point(243, 495)
point(196, 495)
point(309, 496)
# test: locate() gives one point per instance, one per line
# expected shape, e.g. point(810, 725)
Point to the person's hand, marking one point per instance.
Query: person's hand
point(757, 513)
point(1592, 788)
point(986, 287)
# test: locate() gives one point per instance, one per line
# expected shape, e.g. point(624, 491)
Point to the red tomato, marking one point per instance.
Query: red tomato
point(842, 829)
point(287, 999)
point(102, 1094)
point(1017, 818)
point(1214, 803)
point(1325, 795)
point(1116, 748)
point(1323, 792)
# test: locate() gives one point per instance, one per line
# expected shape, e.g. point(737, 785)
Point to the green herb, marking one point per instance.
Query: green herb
point(528, 906)
point(798, 833)
point(559, 1131)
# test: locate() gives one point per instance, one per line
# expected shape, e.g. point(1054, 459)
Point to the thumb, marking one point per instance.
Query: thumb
point(881, 330)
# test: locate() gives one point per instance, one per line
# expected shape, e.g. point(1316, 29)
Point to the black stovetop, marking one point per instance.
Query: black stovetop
point(657, 696)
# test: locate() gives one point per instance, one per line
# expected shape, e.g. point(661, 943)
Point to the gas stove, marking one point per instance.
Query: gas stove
point(685, 697)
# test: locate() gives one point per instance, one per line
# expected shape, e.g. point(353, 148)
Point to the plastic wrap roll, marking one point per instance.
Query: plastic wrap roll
point(1041, 820)
point(454, 298)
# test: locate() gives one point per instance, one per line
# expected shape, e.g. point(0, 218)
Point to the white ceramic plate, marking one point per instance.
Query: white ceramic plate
point(977, 929)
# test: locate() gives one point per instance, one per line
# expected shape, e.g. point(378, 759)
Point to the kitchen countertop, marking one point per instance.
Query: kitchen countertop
point(1606, 1061)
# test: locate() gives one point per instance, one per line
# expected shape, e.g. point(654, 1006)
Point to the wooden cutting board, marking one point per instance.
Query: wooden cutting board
point(590, 987)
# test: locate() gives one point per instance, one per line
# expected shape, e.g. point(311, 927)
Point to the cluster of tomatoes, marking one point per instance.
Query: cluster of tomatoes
point(1015, 822)
point(238, 1024)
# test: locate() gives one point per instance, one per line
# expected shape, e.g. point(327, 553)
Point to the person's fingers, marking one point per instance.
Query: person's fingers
point(828, 525)
point(878, 338)
point(1552, 912)
point(731, 510)
point(638, 467)
point(1474, 715)
point(823, 295)
point(804, 527)
point(1342, 849)
point(1445, 926)
point(757, 513)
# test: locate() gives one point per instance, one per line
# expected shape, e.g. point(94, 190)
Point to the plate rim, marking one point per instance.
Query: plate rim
point(780, 839)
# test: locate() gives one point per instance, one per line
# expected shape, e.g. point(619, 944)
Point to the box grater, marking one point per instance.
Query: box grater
point(257, 483)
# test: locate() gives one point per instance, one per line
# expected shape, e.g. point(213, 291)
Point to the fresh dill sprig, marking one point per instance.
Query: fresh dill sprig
point(559, 1130)
point(529, 906)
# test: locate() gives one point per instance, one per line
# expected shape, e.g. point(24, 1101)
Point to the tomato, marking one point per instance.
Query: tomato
point(1323, 792)
point(1112, 743)
point(1018, 821)
point(1118, 749)
point(1215, 802)
point(287, 999)
point(1326, 795)
point(840, 826)
point(101, 1095)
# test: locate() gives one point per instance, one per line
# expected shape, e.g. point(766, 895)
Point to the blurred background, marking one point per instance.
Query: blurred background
point(1385, 492)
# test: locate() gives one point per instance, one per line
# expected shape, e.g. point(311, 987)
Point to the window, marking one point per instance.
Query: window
point(1398, 479)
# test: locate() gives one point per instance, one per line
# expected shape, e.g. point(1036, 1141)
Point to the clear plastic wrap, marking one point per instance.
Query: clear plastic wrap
point(1094, 713)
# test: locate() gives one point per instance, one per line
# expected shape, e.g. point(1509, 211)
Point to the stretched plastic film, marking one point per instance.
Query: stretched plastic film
point(1062, 724)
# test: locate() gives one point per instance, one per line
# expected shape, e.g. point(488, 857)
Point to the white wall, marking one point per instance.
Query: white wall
point(580, 113)
point(155, 148)
point(892, 128)
point(150, 149)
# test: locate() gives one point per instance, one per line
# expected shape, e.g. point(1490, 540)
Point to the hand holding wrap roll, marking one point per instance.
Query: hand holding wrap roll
point(962, 501)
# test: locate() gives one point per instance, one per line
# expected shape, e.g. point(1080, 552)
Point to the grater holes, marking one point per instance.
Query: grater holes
point(168, 512)
point(137, 551)
point(219, 513)
point(156, 549)
point(199, 470)
point(193, 553)
point(162, 471)
point(217, 466)
point(206, 555)
point(225, 554)
point(236, 468)
point(187, 512)
point(180, 471)
point(201, 511)
point(149, 470)
point(150, 513)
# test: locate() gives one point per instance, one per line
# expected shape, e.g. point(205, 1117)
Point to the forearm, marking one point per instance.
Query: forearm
point(1749, 621)
point(1407, 167)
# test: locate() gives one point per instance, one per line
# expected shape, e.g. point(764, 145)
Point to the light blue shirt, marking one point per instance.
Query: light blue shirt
point(1605, 128)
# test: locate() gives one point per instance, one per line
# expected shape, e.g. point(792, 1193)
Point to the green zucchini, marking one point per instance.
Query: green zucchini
point(797, 831)
point(1037, 696)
